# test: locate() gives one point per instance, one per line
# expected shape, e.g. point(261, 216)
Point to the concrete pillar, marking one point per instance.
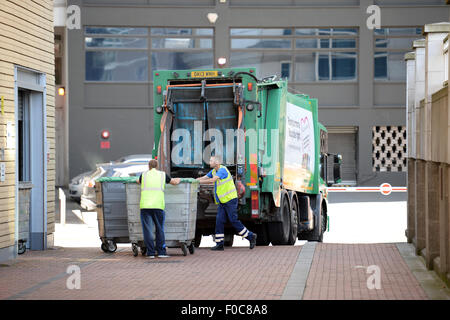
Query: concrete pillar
point(434, 71)
point(420, 206)
point(419, 91)
point(432, 214)
point(418, 173)
point(411, 215)
point(444, 223)
point(410, 124)
point(410, 96)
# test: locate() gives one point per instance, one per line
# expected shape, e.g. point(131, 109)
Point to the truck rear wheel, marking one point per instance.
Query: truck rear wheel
point(279, 231)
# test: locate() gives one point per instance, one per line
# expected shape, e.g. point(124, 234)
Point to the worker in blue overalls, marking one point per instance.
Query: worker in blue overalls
point(225, 195)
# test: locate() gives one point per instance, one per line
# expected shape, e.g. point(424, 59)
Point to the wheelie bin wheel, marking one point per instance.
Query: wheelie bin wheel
point(191, 248)
point(104, 247)
point(184, 248)
point(22, 248)
point(143, 251)
point(135, 250)
point(112, 246)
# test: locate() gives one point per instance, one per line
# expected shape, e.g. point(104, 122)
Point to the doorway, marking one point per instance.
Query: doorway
point(31, 162)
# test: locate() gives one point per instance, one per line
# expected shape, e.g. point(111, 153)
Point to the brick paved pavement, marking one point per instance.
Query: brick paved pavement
point(236, 273)
point(338, 271)
point(329, 271)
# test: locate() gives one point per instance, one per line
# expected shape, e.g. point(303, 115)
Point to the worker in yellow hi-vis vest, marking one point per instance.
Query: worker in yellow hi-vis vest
point(225, 195)
point(153, 183)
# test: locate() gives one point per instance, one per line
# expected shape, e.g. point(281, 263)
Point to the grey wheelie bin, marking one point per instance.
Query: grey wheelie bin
point(24, 215)
point(112, 211)
point(180, 216)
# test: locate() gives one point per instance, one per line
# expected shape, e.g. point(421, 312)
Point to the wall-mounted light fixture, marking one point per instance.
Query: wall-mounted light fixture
point(61, 91)
point(222, 61)
point(212, 17)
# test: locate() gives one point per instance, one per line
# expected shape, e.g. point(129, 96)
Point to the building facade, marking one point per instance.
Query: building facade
point(324, 48)
point(27, 126)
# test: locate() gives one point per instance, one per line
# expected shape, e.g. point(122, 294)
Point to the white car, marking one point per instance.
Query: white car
point(134, 158)
point(76, 185)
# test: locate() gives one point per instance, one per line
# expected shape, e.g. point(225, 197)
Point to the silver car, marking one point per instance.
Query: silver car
point(76, 185)
point(88, 197)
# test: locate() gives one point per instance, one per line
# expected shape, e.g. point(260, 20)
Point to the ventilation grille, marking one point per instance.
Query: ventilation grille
point(389, 149)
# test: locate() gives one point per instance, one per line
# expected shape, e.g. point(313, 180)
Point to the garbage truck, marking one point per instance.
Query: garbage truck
point(269, 139)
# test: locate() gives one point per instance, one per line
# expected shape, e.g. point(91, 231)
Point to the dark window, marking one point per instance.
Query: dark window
point(123, 54)
point(391, 45)
point(315, 54)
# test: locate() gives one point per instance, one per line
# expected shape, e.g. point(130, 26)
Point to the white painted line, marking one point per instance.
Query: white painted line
point(364, 189)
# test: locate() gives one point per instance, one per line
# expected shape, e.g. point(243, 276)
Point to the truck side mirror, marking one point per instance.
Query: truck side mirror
point(337, 161)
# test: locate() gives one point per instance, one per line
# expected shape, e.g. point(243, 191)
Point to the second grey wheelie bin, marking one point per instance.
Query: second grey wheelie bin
point(180, 216)
point(112, 211)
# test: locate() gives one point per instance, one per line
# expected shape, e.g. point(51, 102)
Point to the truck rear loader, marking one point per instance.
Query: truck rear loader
point(269, 138)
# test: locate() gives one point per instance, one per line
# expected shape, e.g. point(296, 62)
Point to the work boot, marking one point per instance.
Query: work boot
point(218, 247)
point(253, 241)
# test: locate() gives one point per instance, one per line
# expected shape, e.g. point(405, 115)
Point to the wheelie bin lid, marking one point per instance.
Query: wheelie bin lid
point(188, 180)
point(118, 179)
point(134, 179)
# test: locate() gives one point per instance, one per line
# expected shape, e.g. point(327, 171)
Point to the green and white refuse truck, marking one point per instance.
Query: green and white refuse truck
point(270, 140)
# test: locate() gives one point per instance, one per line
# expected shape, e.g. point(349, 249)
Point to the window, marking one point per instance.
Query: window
point(127, 54)
point(177, 60)
point(58, 59)
point(266, 64)
point(116, 54)
point(182, 48)
point(315, 54)
point(116, 66)
point(391, 44)
point(285, 70)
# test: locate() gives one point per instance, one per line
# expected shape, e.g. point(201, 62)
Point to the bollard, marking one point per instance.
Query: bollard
point(62, 207)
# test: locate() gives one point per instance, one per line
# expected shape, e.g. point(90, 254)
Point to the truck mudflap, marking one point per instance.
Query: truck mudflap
point(313, 229)
point(306, 214)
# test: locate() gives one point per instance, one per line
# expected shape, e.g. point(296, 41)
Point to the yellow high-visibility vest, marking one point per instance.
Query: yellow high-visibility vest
point(152, 189)
point(225, 188)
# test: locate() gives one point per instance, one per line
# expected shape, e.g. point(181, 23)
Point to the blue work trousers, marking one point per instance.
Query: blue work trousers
point(228, 211)
point(153, 219)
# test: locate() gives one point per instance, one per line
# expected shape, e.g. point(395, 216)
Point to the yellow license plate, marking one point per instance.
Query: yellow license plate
point(204, 74)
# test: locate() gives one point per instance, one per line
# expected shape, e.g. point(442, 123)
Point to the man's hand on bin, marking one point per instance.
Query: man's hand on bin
point(175, 181)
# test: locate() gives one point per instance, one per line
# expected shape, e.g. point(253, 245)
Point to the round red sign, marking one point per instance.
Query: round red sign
point(386, 189)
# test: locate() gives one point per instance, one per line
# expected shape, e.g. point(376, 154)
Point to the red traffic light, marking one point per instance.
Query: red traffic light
point(105, 134)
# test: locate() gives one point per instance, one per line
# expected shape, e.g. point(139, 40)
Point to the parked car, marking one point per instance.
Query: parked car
point(76, 185)
point(134, 158)
point(88, 197)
